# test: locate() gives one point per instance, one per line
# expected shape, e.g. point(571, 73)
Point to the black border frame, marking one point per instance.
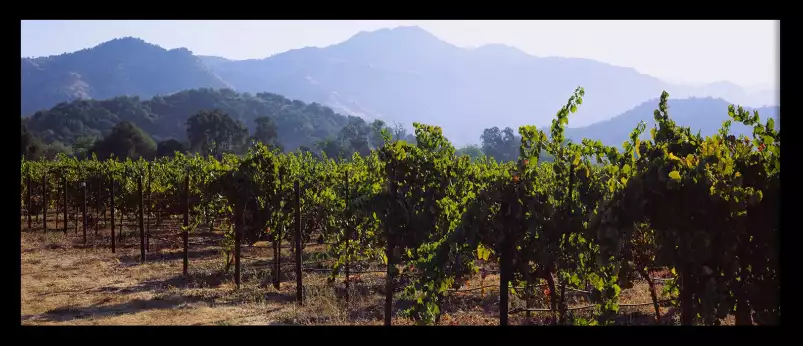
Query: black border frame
point(143, 10)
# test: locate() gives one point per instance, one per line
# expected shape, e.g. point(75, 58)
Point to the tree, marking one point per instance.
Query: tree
point(31, 147)
point(125, 141)
point(266, 132)
point(83, 144)
point(399, 133)
point(306, 149)
point(55, 148)
point(355, 136)
point(162, 117)
point(501, 145)
point(169, 147)
point(471, 150)
point(214, 132)
point(332, 148)
point(376, 133)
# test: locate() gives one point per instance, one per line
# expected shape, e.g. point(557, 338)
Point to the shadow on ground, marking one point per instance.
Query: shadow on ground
point(162, 300)
point(192, 280)
point(640, 318)
point(99, 311)
point(170, 256)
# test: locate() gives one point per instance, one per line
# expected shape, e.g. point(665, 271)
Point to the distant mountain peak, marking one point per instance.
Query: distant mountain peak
point(412, 35)
point(409, 31)
point(127, 41)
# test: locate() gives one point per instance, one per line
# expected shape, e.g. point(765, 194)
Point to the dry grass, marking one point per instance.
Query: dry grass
point(67, 283)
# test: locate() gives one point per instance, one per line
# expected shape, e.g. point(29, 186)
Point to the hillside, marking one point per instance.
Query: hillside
point(126, 66)
point(407, 74)
point(165, 117)
point(703, 114)
point(398, 75)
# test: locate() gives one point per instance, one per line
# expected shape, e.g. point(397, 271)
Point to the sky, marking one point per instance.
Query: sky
point(688, 52)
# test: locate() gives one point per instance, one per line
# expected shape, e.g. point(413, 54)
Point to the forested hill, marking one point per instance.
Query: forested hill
point(162, 117)
point(81, 123)
point(125, 66)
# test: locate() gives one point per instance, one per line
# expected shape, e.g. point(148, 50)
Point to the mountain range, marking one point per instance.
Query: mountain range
point(401, 75)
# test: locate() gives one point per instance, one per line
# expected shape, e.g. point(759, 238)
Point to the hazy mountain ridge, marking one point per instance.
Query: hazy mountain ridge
point(404, 74)
point(764, 96)
point(414, 76)
point(126, 66)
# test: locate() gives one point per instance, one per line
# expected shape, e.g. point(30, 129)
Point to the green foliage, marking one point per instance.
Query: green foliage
point(705, 207)
point(472, 151)
point(501, 145)
point(31, 147)
point(164, 117)
point(705, 200)
point(214, 132)
point(266, 132)
point(169, 147)
point(125, 141)
point(273, 120)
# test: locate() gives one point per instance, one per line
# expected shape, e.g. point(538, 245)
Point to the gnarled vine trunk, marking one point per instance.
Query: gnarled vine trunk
point(646, 275)
point(686, 299)
point(553, 301)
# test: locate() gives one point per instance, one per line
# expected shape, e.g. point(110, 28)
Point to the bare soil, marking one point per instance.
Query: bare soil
point(65, 282)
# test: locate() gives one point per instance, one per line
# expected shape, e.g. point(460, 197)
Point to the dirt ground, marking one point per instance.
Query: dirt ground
point(65, 282)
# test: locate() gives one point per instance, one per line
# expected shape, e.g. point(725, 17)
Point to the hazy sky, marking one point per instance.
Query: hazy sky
point(743, 52)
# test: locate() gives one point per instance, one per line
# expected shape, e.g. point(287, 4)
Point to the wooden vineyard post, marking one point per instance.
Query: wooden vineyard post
point(348, 237)
point(391, 244)
point(278, 283)
point(529, 303)
point(105, 214)
point(97, 206)
point(75, 218)
point(83, 210)
point(56, 202)
point(277, 259)
point(277, 246)
point(122, 211)
point(111, 206)
point(185, 234)
point(150, 202)
point(504, 270)
point(141, 220)
point(64, 183)
point(238, 226)
point(299, 286)
point(563, 307)
point(28, 197)
point(44, 199)
point(274, 273)
point(389, 280)
point(686, 298)
point(504, 275)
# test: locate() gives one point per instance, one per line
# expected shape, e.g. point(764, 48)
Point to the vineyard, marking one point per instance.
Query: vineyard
point(591, 222)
